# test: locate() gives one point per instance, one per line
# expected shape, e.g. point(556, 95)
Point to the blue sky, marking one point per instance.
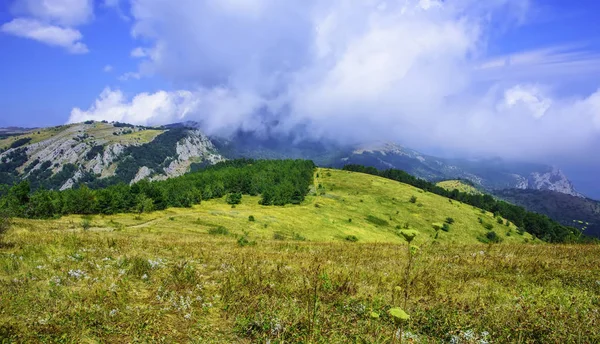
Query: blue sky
point(517, 79)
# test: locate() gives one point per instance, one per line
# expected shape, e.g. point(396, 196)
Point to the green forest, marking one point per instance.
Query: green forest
point(536, 224)
point(279, 182)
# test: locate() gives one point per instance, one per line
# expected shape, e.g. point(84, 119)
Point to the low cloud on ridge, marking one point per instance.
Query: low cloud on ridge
point(415, 72)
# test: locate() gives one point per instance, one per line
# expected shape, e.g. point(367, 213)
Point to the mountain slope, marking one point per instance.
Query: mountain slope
point(582, 213)
point(341, 204)
point(100, 152)
point(490, 174)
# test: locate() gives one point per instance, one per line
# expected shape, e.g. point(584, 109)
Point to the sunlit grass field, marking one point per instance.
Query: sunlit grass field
point(209, 274)
point(458, 185)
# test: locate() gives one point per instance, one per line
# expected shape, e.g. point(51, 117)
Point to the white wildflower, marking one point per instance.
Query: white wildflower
point(113, 312)
point(77, 274)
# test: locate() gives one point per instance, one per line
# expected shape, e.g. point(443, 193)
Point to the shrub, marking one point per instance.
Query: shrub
point(234, 198)
point(449, 220)
point(171, 218)
point(86, 223)
point(298, 237)
point(488, 226)
point(245, 241)
point(520, 231)
point(278, 236)
point(351, 238)
point(446, 227)
point(377, 221)
point(350, 220)
point(251, 218)
point(413, 199)
point(218, 231)
point(500, 221)
point(492, 237)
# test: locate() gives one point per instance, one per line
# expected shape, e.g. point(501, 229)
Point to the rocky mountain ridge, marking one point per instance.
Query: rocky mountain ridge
point(96, 151)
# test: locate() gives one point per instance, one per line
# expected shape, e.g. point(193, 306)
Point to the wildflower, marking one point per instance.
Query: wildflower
point(187, 316)
point(55, 280)
point(77, 274)
point(113, 312)
point(144, 276)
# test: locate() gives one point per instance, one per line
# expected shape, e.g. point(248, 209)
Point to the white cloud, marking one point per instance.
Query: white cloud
point(68, 13)
point(412, 71)
point(51, 22)
point(108, 68)
point(227, 109)
point(138, 52)
point(67, 38)
point(529, 97)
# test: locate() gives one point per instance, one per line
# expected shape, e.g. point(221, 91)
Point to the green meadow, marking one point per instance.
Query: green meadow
point(326, 271)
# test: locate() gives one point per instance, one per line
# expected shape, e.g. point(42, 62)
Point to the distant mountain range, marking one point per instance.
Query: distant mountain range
point(102, 153)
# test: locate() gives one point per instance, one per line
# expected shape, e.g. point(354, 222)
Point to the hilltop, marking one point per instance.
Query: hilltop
point(460, 185)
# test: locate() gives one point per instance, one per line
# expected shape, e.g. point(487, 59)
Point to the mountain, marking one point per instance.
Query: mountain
point(579, 212)
point(102, 153)
point(489, 174)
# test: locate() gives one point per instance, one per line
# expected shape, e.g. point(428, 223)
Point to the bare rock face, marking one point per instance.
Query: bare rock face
point(554, 180)
point(196, 147)
point(143, 173)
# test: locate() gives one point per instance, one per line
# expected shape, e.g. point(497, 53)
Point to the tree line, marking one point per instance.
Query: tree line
point(536, 224)
point(279, 182)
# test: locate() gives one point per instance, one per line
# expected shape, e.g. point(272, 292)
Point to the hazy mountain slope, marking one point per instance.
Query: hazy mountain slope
point(99, 152)
point(579, 212)
point(490, 174)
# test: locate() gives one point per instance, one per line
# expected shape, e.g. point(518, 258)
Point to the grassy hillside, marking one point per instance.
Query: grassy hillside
point(209, 274)
point(96, 131)
point(342, 204)
point(459, 185)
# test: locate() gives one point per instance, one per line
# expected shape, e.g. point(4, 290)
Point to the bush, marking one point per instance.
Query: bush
point(350, 220)
point(86, 223)
point(351, 238)
point(413, 199)
point(500, 221)
point(251, 218)
point(218, 231)
point(244, 241)
point(20, 142)
point(278, 236)
point(492, 237)
point(298, 237)
point(449, 220)
point(234, 198)
point(377, 221)
point(488, 226)
point(446, 227)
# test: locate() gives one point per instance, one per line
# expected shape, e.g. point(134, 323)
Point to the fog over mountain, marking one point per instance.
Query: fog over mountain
point(452, 78)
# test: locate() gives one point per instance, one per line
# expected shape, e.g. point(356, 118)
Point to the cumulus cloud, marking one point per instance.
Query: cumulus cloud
point(415, 72)
point(51, 22)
